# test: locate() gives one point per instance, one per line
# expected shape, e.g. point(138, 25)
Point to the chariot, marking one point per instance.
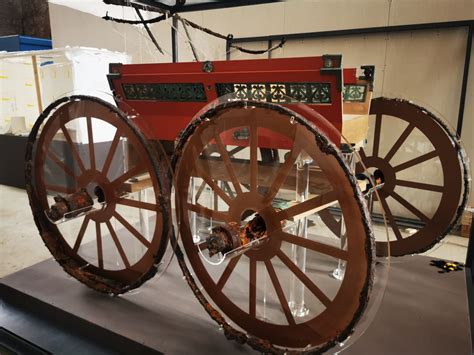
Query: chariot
point(267, 174)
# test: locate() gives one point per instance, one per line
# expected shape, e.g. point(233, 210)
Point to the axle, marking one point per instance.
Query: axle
point(226, 238)
point(70, 206)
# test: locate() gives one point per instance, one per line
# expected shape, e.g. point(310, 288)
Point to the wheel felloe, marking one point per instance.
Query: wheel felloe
point(245, 181)
point(407, 177)
point(83, 145)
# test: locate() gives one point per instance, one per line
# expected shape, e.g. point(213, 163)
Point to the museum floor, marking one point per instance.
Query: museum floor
point(33, 289)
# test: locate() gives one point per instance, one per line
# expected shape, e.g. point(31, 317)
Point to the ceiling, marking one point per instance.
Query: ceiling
point(98, 8)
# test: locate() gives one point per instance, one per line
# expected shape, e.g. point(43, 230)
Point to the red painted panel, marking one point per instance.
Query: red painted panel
point(165, 120)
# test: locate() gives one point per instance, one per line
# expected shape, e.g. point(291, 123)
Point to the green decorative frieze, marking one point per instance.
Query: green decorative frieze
point(311, 93)
point(354, 93)
point(181, 92)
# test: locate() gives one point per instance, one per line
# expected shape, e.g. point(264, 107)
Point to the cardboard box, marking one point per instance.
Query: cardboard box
point(466, 223)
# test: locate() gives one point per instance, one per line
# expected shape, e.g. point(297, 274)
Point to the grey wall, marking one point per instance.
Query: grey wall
point(25, 17)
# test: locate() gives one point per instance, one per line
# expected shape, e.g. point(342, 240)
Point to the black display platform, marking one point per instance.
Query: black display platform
point(423, 312)
point(12, 160)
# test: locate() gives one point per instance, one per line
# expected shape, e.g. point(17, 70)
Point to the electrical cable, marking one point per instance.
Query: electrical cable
point(191, 44)
point(185, 23)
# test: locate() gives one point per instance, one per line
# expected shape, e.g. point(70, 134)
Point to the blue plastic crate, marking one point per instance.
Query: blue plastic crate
point(24, 43)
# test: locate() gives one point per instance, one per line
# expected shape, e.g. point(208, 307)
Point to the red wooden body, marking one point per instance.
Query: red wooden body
point(164, 119)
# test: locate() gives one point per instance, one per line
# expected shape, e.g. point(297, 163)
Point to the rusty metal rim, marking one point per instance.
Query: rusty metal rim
point(99, 279)
point(326, 147)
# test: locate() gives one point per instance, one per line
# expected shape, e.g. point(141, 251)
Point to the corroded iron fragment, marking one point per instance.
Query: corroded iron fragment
point(70, 206)
point(224, 239)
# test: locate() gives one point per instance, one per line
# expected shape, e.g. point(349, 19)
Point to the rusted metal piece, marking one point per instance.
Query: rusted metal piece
point(446, 148)
point(231, 236)
point(70, 206)
point(271, 341)
point(96, 274)
point(223, 239)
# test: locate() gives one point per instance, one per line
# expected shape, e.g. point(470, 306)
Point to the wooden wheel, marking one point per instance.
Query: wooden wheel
point(86, 143)
point(423, 172)
point(243, 182)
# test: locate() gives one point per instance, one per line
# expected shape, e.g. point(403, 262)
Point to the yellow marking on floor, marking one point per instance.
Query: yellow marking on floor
point(3, 77)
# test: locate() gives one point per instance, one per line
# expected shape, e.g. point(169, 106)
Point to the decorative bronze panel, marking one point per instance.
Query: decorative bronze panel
point(311, 93)
point(182, 92)
point(354, 93)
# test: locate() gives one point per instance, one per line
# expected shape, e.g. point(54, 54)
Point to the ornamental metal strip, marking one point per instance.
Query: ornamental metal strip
point(181, 92)
point(311, 93)
point(354, 93)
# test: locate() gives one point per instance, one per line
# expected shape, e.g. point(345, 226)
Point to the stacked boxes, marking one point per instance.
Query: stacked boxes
point(59, 72)
point(466, 222)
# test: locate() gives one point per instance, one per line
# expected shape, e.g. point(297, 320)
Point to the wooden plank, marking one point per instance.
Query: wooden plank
point(37, 84)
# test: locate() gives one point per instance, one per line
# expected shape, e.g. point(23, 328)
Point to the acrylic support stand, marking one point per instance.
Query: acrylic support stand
point(298, 254)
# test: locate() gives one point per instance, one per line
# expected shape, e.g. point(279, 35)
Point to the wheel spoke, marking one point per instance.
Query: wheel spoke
point(100, 254)
point(409, 207)
point(333, 224)
point(203, 175)
point(228, 165)
point(131, 229)
point(226, 188)
point(111, 153)
point(391, 220)
point(235, 151)
point(416, 161)
point(279, 292)
point(207, 152)
point(74, 151)
point(378, 127)
point(304, 279)
point(80, 236)
point(118, 244)
point(208, 213)
point(308, 206)
point(420, 186)
point(314, 245)
point(91, 143)
point(227, 272)
point(252, 288)
point(54, 158)
point(396, 146)
point(247, 186)
point(253, 157)
point(129, 174)
point(282, 174)
point(138, 204)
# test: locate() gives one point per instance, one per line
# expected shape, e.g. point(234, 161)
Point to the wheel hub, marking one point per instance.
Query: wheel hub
point(101, 189)
point(255, 202)
point(387, 172)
